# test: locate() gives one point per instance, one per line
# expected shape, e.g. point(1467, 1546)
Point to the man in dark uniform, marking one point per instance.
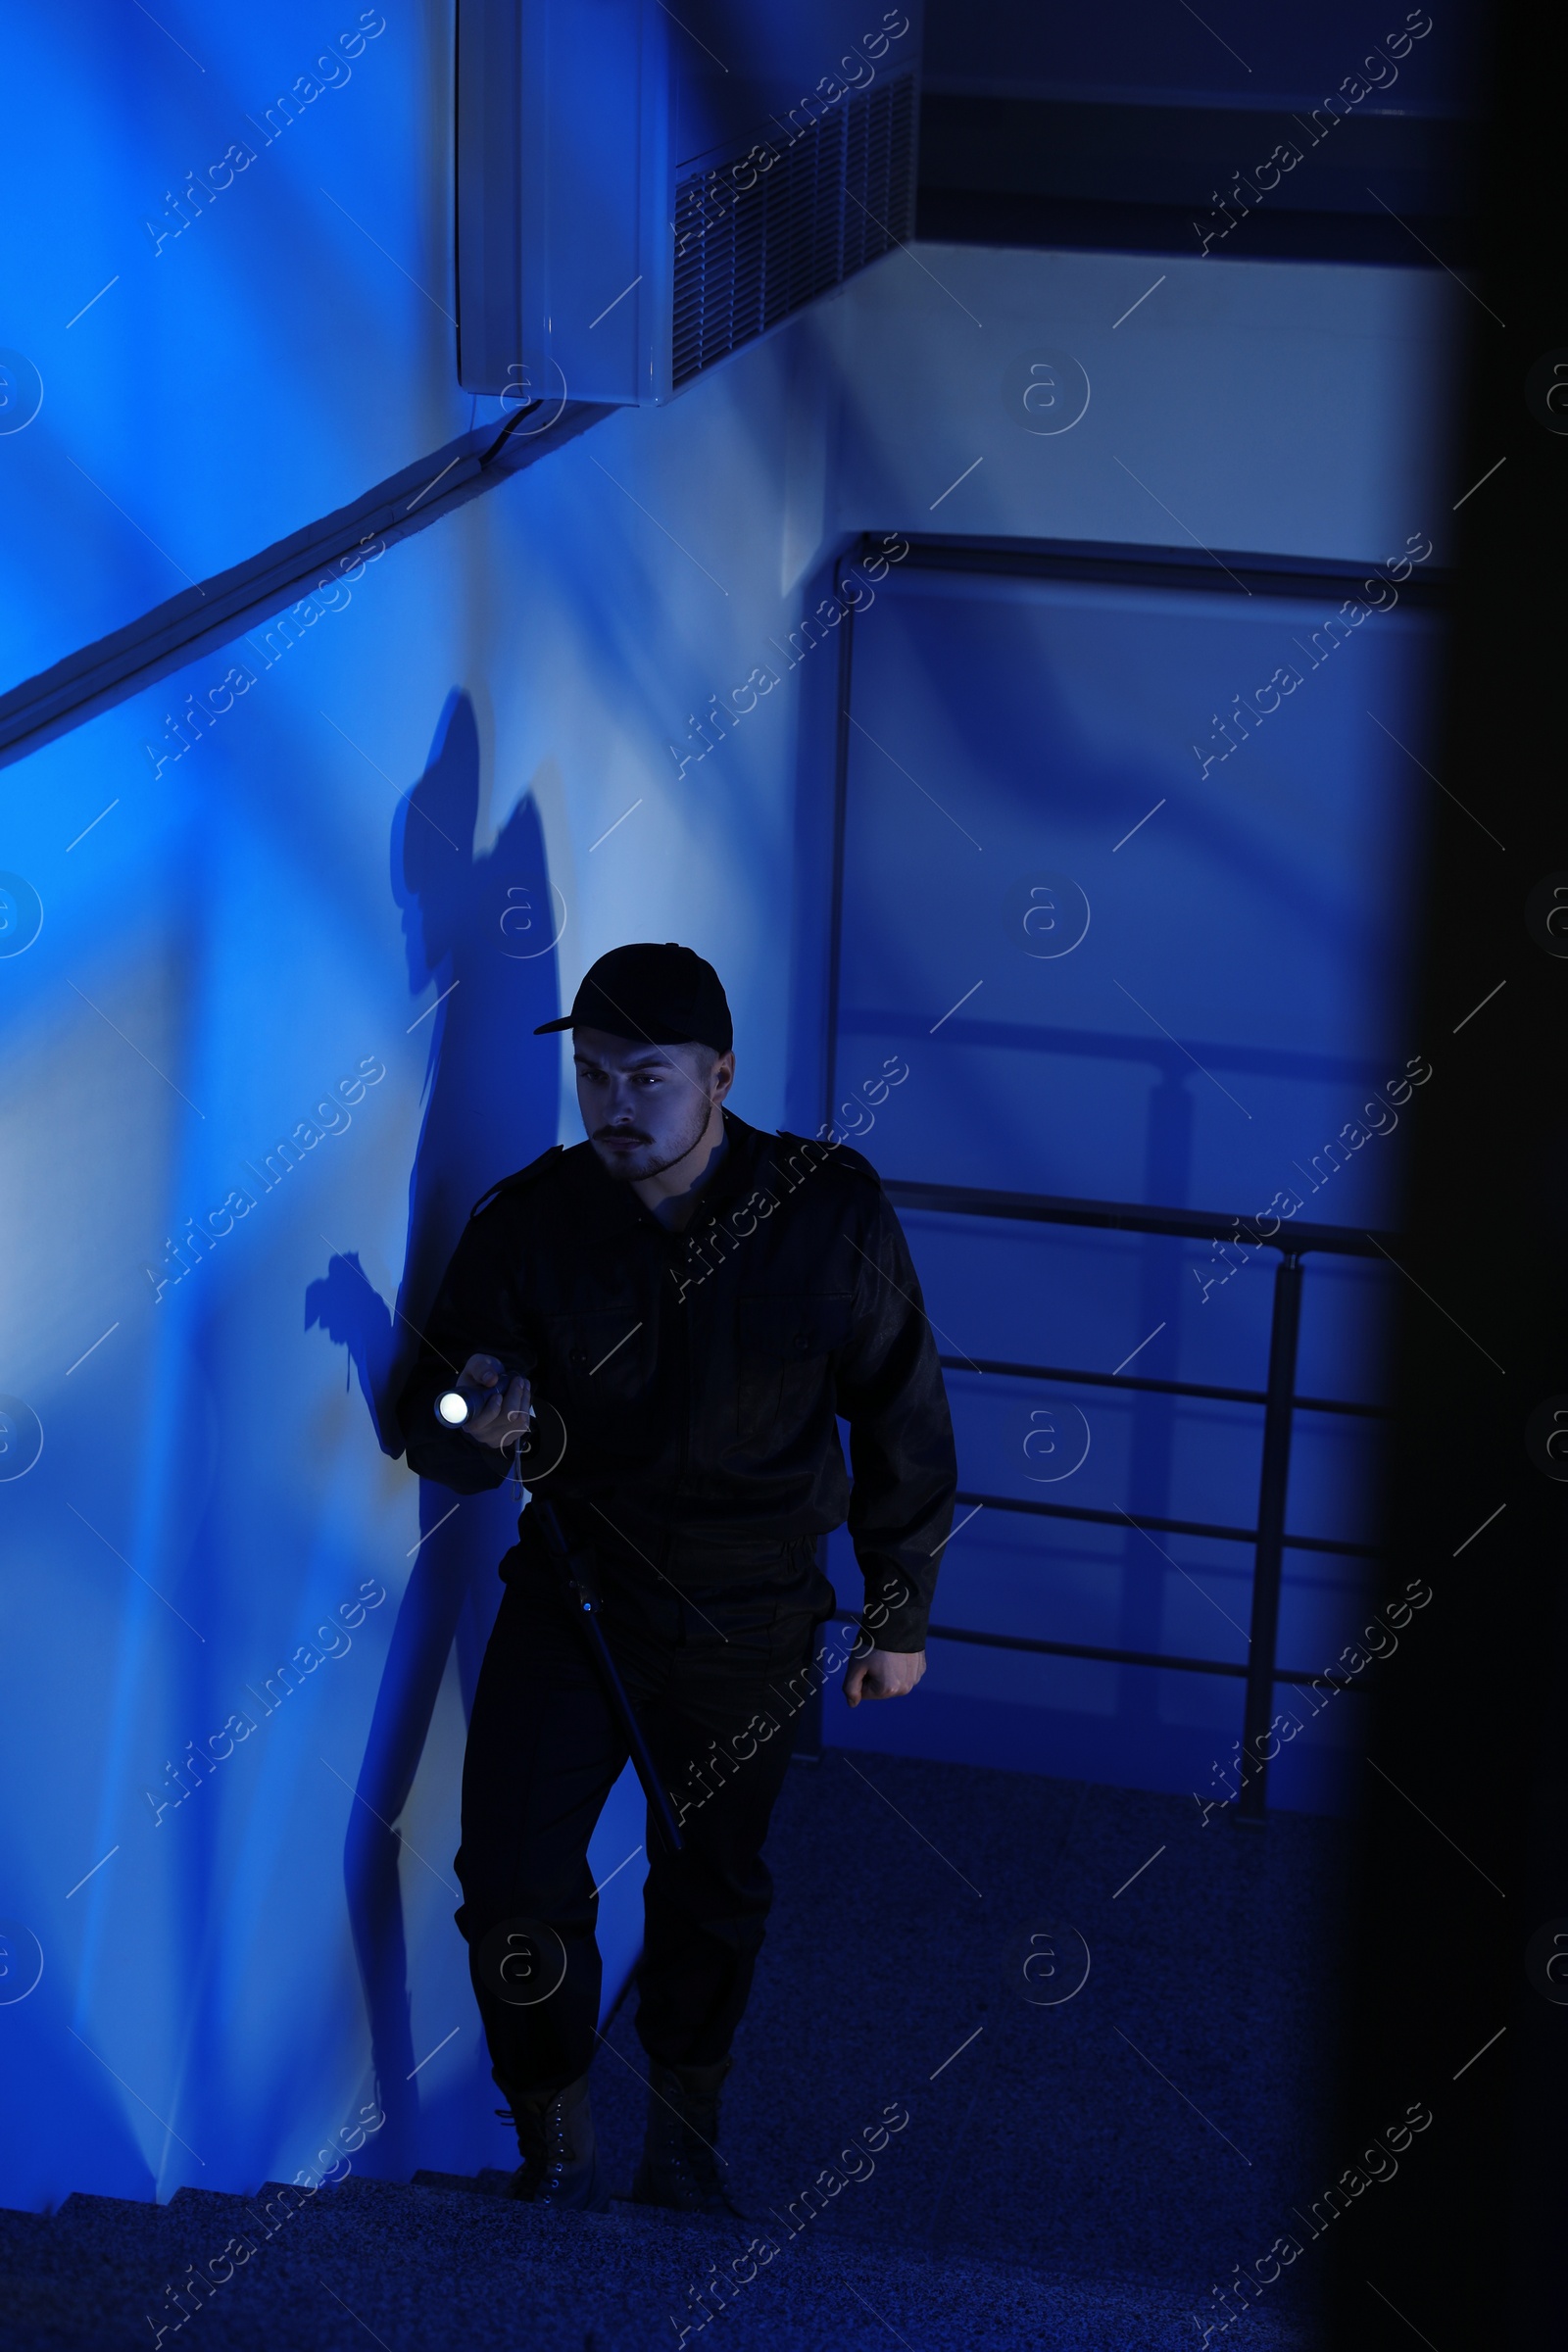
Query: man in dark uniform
point(698, 1301)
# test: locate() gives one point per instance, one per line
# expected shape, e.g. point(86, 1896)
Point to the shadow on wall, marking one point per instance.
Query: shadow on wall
point(483, 929)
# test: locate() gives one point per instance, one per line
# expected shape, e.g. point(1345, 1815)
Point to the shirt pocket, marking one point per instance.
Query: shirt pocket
point(599, 1362)
point(783, 1348)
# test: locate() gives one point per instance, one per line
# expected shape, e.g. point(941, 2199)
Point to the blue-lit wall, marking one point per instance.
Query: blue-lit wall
point(333, 920)
point(1108, 974)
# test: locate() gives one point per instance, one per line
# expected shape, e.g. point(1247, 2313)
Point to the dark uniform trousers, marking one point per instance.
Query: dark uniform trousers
point(711, 1644)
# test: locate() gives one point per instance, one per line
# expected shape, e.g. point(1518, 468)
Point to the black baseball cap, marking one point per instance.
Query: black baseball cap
point(661, 996)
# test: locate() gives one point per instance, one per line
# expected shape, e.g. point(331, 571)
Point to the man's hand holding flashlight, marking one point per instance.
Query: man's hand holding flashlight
point(502, 1419)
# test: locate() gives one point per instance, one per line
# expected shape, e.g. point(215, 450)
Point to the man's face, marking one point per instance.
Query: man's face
point(644, 1107)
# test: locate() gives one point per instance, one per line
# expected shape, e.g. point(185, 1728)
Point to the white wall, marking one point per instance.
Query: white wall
point(1293, 409)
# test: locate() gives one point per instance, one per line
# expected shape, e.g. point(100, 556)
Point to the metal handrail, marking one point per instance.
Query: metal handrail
point(1134, 1657)
point(1165, 1527)
point(1291, 1239)
point(1161, 1388)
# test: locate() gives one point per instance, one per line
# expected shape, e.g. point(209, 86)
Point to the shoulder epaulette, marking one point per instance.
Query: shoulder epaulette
point(838, 1155)
point(520, 1183)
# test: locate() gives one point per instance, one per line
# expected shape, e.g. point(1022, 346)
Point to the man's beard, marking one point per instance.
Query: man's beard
point(634, 1167)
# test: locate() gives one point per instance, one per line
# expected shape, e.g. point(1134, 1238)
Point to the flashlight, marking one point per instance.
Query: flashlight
point(456, 1406)
point(534, 1448)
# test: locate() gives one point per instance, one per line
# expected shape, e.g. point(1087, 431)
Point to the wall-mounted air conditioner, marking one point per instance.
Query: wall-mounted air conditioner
point(642, 190)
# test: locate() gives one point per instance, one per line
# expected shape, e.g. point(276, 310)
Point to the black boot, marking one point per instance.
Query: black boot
point(555, 2140)
point(681, 2166)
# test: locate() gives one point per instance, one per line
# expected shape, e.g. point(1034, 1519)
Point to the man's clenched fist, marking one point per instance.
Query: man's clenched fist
point(883, 1674)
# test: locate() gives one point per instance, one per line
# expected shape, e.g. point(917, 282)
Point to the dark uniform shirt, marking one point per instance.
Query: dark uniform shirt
point(699, 1374)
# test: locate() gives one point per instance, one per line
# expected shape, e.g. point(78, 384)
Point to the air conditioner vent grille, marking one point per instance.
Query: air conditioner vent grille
point(837, 197)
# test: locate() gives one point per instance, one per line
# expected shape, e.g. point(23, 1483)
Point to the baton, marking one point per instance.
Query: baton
point(574, 1565)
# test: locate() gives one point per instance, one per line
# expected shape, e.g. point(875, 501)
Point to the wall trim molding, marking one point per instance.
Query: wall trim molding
point(218, 609)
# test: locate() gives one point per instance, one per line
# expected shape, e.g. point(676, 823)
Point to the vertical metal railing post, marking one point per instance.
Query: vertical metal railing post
point(1264, 1637)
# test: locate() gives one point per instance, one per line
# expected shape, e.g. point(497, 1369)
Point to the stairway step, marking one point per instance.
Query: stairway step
point(209, 2202)
point(20, 2230)
point(488, 2184)
point(445, 2262)
point(91, 2212)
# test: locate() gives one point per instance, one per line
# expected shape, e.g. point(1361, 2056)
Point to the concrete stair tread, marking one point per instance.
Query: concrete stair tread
point(447, 2261)
point(1052, 2190)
